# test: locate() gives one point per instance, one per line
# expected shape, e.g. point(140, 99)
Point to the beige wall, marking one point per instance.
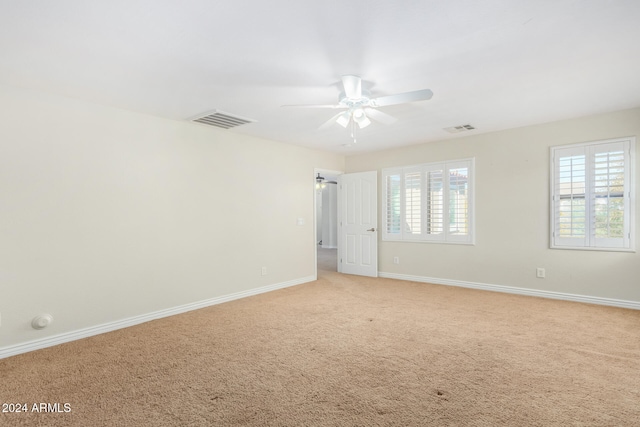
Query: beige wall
point(512, 213)
point(107, 214)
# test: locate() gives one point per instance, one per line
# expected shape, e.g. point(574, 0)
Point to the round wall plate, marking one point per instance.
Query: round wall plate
point(41, 321)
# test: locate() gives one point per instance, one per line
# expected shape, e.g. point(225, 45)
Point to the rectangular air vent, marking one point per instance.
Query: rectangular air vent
point(461, 128)
point(221, 119)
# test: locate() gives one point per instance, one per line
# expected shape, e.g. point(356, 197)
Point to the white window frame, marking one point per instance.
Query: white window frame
point(401, 231)
point(589, 241)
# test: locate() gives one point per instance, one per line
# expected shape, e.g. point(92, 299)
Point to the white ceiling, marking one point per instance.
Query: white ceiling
point(494, 64)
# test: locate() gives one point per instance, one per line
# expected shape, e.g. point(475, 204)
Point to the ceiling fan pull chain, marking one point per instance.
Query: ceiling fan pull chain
point(354, 129)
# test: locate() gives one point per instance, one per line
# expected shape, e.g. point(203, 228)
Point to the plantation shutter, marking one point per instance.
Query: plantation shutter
point(392, 212)
point(608, 213)
point(429, 202)
point(571, 204)
point(458, 201)
point(591, 205)
point(434, 209)
point(412, 203)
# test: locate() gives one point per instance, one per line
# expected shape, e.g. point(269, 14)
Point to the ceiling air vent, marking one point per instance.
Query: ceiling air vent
point(461, 128)
point(221, 119)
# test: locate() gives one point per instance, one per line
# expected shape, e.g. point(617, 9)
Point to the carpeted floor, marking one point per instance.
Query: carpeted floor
point(327, 260)
point(346, 351)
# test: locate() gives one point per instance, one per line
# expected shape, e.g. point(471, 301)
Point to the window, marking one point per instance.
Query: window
point(429, 203)
point(592, 195)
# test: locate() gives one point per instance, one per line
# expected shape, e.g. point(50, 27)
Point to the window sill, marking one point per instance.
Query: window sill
point(438, 242)
point(581, 248)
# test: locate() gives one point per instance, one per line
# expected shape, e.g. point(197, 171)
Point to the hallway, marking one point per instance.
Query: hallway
point(327, 260)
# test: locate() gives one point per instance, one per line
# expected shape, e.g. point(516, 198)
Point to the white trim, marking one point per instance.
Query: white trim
point(519, 291)
point(38, 344)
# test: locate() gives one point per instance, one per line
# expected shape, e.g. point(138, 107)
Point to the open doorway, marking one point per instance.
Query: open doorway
point(326, 220)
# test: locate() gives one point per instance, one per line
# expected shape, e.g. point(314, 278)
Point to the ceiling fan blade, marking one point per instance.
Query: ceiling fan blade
point(314, 106)
point(352, 86)
point(379, 116)
point(402, 98)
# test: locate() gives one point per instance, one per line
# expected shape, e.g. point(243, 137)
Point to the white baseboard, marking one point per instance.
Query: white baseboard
point(520, 291)
point(135, 320)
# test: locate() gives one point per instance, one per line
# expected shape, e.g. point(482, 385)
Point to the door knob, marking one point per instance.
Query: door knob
point(371, 229)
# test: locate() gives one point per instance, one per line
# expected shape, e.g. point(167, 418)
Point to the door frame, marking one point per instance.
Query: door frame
point(321, 171)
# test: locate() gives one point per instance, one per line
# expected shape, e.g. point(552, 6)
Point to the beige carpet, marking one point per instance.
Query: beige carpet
point(346, 351)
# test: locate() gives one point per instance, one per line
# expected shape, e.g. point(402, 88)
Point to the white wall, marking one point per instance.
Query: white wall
point(107, 214)
point(512, 222)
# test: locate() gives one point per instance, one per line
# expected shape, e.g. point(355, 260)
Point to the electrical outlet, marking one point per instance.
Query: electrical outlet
point(396, 260)
point(540, 273)
point(264, 271)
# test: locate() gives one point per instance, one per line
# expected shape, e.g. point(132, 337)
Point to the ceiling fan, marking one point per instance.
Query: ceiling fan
point(359, 107)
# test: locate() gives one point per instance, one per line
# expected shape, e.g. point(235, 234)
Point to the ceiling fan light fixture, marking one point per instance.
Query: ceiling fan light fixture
point(364, 123)
point(361, 118)
point(320, 182)
point(343, 119)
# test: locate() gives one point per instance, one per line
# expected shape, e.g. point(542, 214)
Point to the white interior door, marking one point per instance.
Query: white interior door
point(358, 233)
